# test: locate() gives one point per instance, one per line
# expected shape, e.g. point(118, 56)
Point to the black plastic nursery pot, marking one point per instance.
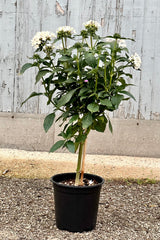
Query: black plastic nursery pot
point(76, 207)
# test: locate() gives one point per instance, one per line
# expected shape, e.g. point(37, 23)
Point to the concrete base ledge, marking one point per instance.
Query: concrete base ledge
point(131, 137)
point(29, 164)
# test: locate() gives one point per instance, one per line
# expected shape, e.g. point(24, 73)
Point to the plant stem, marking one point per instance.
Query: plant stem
point(65, 40)
point(63, 44)
point(86, 42)
point(83, 162)
point(105, 76)
point(112, 65)
point(79, 72)
point(79, 164)
point(96, 77)
point(91, 39)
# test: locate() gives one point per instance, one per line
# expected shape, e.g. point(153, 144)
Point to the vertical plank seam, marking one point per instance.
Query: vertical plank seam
point(67, 13)
point(40, 28)
point(93, 9)
point(108, 8)
point(153, 73)
point(15, 63)
point(140, 80)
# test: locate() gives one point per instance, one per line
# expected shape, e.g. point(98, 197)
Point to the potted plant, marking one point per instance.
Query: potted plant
point(82, 82)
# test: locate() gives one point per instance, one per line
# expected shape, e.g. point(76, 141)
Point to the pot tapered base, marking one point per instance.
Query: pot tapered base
point(76, 207)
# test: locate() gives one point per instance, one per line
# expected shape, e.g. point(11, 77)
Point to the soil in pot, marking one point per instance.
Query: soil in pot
point(76, 207)
point(86, 182)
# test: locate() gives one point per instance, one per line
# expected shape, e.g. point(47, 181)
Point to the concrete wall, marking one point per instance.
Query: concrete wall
point(130, 137)
point(138, 19)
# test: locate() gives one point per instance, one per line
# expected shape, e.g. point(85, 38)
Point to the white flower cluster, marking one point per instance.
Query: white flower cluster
point(91, 23)
point(66, 29)
point(121, 43)
point(136, 60)
point(41, 36)
point(109, 40)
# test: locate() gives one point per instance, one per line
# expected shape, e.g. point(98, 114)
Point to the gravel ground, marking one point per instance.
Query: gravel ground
point(127, 211)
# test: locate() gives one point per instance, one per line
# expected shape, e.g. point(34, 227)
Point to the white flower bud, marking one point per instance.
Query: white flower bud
point(136, 60)
point(66, 29)
point(91, 23)
point(121, 43)
point(109, 40)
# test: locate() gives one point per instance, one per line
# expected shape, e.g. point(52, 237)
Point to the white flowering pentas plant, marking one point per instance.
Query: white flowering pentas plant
point(83, 82)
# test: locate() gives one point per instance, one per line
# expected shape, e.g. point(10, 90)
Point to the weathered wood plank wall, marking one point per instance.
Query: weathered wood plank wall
point(20, 20)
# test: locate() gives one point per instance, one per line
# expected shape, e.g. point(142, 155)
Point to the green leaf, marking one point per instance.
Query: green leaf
point(110, 127)
point(65, 59)
point(64, 116)
point(70, 80)
point(81, 138)
point(69, 132)
point(100, 123)
point(93, 107)
point(129, 75)
point(33, 94)
point(41, 74)
point(83, 90)
point(87, 120)
point(106, 102)
point(25, 67)
point(103, 94)
point(57, 145)
point(70, 146)
point(117, 99)
point(48, 121)
point(81, 99)
point(91, 60)
point(74, 118)
point(100, 126)
point(62, 134)
point(128, 94)
point(65, 98)
point(93, 94)
point(102, 118)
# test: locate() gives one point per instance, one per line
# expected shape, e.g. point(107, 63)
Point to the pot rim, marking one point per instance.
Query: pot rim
point(77, 187)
